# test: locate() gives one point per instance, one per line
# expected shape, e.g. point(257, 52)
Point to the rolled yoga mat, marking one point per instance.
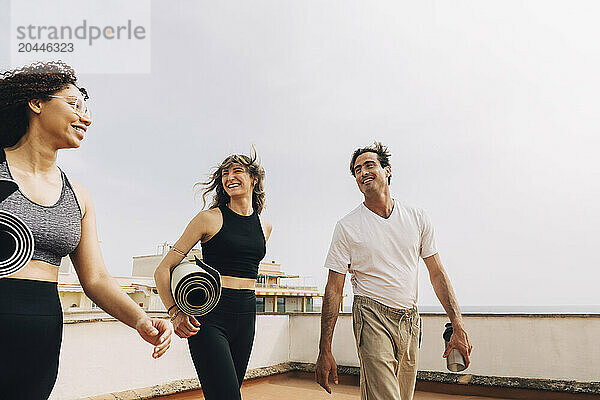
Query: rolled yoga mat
point(196, 287)
point(16, 239)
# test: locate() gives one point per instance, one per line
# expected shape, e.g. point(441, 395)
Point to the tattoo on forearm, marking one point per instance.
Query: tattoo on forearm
point(329, 315)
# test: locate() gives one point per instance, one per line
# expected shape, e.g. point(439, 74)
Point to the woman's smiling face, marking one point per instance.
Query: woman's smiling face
point(65, 125)
point(236, 180)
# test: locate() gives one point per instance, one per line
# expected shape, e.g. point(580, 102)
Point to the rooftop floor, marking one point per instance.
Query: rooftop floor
point(300, 386)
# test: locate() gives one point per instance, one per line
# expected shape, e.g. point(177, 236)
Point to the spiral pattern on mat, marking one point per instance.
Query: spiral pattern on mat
point(16, 244)
point(196, 288)
point(16, 239)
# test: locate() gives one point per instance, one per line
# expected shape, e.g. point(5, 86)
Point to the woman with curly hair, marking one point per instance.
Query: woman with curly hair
point(233, 238)
point(42, 110)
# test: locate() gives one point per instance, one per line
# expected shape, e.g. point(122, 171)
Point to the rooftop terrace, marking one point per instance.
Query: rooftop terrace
point(302, 386)
point(514, 356)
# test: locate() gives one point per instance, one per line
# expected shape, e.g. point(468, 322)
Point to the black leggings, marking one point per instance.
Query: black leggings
point(221, 348)
point(31, 333)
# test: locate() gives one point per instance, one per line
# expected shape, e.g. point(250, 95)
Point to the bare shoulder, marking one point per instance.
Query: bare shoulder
point(207, 223)
point(84, 197)
point(267, 227)
point(209, 216)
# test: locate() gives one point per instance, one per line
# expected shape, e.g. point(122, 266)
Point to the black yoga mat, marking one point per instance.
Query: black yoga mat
point(196, 287)
point(16, 239)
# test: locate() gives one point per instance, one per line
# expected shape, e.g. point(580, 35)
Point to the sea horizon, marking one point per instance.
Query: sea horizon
point(510, 309)
point(520, 309)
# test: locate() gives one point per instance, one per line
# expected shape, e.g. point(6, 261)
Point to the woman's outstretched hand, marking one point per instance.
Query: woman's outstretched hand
point(156, 332)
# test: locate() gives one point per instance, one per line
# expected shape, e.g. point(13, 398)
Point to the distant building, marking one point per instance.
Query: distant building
point(73, 299)
point(272, 295)
point(275, 291)
point(144, 266)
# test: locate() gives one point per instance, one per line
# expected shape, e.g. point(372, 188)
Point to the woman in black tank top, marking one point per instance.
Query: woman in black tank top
point(233, 238)
point(41, 111)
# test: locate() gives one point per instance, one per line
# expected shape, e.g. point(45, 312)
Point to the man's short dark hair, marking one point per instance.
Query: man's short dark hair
point(383, 156)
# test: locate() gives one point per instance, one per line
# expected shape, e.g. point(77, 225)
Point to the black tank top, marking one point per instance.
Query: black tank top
point(237, 249)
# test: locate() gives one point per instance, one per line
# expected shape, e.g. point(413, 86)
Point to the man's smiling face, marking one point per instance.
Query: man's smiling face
point(370, 176)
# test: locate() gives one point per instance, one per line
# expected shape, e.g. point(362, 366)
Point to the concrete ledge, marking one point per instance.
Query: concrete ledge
point(74, 317)
point(78, 317)
point(511, 382)
point(495, 382)
point(152, 392)
point(269, 371)
point(310, 368)
point(185, 385)
point(479, 380)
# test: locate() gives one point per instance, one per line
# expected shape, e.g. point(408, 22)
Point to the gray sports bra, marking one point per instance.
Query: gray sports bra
point(56, 229)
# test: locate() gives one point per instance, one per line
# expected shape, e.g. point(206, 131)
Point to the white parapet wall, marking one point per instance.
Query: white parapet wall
point(538, 346)
point(107, 356)
point(99, 357)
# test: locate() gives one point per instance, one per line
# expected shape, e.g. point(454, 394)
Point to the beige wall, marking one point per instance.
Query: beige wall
point(145, 266)
point(529, 347)
point(67, 299)
point(150, 301)
point(104, 357)
point(155, 303)
point(140, 299)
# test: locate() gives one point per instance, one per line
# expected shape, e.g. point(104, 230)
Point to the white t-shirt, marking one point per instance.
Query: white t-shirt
point(383, 254)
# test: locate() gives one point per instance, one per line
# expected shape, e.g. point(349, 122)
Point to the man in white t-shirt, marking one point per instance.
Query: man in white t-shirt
point(380, 244)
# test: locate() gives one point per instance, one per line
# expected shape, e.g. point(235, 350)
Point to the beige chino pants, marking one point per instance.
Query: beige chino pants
point(387, 340)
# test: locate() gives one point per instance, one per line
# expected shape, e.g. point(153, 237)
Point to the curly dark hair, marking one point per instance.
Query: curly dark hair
point(20, 85)
point(383, 155)
point(214, 183)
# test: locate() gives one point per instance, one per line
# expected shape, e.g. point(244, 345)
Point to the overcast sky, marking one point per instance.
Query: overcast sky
point(490, 110)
